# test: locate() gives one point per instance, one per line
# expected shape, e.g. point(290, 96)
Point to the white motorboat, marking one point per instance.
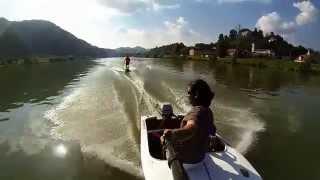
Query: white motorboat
point(227, 164)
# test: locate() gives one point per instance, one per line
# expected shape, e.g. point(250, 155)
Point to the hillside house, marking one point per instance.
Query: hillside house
point(261, 52)
point(231, 52)
point(245, 32)
point(303, 58)
point(202, 52)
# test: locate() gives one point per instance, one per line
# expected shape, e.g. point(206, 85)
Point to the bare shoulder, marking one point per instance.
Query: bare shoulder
point(192, 114)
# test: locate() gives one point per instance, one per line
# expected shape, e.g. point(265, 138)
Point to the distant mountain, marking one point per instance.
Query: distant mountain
point(123, 51)
point(3, 25)
point(38, 37)
point(12, 46)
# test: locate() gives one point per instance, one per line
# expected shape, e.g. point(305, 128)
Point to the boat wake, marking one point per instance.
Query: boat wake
point(102, 112)
point(239, 124)
point(95, 115)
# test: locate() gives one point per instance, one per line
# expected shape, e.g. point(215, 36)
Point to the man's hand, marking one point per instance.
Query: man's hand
point(166, 133)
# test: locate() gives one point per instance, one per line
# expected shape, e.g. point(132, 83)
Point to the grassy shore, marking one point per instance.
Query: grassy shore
point(280, 64)
point(272, 63)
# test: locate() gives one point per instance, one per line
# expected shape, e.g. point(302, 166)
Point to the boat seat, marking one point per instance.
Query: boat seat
point(153, 123)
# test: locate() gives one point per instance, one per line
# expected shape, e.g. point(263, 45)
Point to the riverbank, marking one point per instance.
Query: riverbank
point(279, 64)
point(38, 60)
point(286, 65)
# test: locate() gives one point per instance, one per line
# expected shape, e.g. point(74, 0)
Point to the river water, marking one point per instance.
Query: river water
point(80, 120)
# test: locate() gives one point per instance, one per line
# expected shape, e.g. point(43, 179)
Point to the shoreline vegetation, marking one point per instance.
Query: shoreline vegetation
point(4, 62)
point(286, 65)
point(261, 63)
point(277, 64)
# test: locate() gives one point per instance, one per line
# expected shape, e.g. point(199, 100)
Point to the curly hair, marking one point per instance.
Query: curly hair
point(200, 93)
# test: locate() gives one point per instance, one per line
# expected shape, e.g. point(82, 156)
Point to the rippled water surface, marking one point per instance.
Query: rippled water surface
point(80, 120)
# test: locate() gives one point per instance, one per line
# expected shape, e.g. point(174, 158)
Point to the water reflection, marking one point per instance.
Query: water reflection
point(29, 83)
point(57, 160)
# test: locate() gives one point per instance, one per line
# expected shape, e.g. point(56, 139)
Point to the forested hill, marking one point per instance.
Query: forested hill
point(38, 37)
point(245, 37)
point(241, 40)
point(175, 49)
point(135, 51)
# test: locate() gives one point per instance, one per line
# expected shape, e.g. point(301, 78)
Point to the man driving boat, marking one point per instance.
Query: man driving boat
point(192, 138)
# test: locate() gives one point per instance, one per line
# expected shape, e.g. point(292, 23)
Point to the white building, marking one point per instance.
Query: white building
point(302, 58)
point(192, 52)
point(260, 52)
point(245, 32)
point(203, 53)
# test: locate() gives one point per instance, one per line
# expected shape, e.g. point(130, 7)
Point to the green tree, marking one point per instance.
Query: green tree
point(233, 34)
point(221, 38)
point(222, 46)
point(306, 66)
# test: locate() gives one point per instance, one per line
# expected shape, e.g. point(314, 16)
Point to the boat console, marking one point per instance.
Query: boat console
point(155, 128)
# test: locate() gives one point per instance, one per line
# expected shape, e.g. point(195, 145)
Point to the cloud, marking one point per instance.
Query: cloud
point(177, 30)
point(176, 26)
point(158, 7)
point(133, 6)
point(240, 1)
point(308, 12)
point(125, 6)
point(232, 1)
point(273, 22)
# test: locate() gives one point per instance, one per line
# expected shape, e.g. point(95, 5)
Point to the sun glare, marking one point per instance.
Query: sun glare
point(60, 150)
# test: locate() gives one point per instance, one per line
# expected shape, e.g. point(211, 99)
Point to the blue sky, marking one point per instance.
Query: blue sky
point(150, 23)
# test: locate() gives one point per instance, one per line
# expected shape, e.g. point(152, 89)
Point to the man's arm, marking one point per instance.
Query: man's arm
point(184, 133)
